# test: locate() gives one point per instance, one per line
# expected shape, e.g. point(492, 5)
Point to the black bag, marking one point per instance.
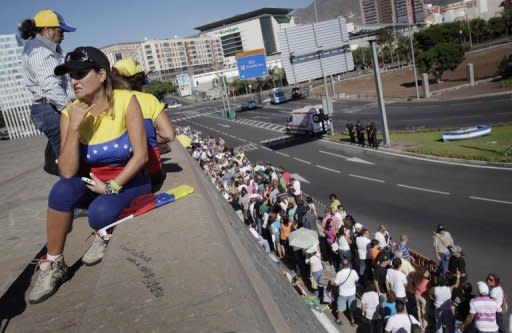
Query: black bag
point(415, 328)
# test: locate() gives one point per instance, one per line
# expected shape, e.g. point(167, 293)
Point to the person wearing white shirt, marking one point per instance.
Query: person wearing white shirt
point(370, 305)
point(496, 292)
point(316, 268)
point(363, 243)
point(346, 280)
point(396, 280)
point(401, 322)
point(382, 235)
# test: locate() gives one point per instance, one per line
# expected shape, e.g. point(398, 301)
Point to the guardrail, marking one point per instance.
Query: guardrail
point(421, 261)
point(18, 122)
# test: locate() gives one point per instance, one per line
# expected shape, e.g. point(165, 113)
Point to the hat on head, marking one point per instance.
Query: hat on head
point(440, 228)
point(83, 57)
point(127, 67)
point(358, 225)
point(457, 249)
point(483, 289)
point(49, 18)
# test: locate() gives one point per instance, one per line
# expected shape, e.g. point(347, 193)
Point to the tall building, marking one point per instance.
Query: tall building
point(164, 58)
point(392, 11)
point(15, 98)
point(13, 92)
point(253, 30)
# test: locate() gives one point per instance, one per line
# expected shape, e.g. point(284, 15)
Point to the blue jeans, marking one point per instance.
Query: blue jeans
point(319, 278)
point(445, 257)
point(47, 120)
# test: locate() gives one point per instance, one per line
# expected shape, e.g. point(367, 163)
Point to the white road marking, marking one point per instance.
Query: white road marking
point(266, 148)
point(359, 160)
point(223, 125)
point(332, 154)
point(243, 140)
point(300, 178)
point(327, 324)
point(491, 200)
point(422, 189)
point(282, 154)
point(328, 169)
point(367, 178)
point(301, 160)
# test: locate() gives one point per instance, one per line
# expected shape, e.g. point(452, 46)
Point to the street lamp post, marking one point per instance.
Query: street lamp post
point(380, 96)
point(414, 63)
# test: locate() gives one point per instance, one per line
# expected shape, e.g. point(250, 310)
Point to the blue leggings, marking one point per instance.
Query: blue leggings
point(70, 193)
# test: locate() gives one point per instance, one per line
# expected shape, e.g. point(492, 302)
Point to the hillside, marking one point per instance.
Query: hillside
point(329, 9)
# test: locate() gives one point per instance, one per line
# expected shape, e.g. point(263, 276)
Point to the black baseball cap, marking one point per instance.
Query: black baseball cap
point(83, 57)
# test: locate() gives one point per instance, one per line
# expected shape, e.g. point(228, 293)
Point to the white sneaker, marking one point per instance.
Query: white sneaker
point(96, 251)
point(51, 275)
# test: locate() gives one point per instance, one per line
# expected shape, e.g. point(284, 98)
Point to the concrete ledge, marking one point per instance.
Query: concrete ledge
point(188, 266)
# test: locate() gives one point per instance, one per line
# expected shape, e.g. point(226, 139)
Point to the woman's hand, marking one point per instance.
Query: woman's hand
point(77, 113)
point(98, 187)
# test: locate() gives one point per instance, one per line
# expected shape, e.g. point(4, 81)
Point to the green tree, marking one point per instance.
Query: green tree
point(404, 48)
point(497, 26)
point(480, 31)
point(362, 57)
point(439, 33)
point(160, 88)
point(440, 58)
point(277, 75)
point(385, 41)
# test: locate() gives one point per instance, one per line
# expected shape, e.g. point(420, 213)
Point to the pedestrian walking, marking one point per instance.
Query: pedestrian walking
point(351, 132)
point(360, 134)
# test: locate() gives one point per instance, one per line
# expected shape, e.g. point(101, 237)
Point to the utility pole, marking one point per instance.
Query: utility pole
point(414, 63)
point(316, 11)
point(380, 97)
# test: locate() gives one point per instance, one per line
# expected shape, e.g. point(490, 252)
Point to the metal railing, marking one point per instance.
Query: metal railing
point(18, 122)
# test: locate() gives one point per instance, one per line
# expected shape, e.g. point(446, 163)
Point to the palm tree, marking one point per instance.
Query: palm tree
point(404, 48)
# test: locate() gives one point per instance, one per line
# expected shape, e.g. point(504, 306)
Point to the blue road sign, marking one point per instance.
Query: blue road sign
point(253, 66)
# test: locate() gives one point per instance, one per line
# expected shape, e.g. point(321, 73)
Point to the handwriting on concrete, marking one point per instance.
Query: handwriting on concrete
point(140, 260)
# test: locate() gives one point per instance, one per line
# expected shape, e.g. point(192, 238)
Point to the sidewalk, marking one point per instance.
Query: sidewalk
point(189, 266)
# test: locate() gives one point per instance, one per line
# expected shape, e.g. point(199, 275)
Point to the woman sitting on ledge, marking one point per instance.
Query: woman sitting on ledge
point(103, 138)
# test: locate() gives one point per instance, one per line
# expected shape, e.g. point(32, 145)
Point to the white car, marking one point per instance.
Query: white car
point(173, 106)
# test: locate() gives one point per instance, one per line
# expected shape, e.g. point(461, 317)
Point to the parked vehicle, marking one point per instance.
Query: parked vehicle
point(309, 119)
point(249, 105)
point(277, 96)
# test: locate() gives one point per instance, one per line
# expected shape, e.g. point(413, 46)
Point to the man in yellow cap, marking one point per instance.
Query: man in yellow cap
point(42, 53)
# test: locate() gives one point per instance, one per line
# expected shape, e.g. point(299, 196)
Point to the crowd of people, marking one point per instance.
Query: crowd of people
point(377, 283)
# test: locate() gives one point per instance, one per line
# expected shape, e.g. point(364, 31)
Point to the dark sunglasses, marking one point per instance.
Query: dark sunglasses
point(79, 74)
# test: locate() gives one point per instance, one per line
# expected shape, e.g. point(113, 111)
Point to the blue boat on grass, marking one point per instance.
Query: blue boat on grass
point(467, 133)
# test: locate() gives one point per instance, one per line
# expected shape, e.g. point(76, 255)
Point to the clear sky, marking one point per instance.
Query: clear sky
point(103, 22)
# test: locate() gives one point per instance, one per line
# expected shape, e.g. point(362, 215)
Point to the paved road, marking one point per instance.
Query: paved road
point(406, 115)
point(409, 196)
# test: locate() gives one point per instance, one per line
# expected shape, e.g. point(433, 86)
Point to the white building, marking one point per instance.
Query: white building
point(253, 30)
point(15, 99)
point(13, 92)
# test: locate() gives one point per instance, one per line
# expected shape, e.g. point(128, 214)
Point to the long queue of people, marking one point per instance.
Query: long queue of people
point(395, 293)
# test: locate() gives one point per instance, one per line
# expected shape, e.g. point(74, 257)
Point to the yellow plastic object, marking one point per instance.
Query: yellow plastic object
point(181, 191)
point(185, 140)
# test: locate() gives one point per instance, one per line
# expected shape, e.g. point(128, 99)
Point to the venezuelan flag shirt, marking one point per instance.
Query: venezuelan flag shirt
point(105, 146)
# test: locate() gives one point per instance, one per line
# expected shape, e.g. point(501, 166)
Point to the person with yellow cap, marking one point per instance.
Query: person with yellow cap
point(158, 126)
point(41, 54)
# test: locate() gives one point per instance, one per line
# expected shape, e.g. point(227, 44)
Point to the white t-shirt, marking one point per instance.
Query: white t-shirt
point(381, 237)
point(441, 295)
point(369, 303)
point(400, 323)
point(346, 280)
point(397, 280)
point(362, 247)
point(342, 241)
point(497, 294)
point(296, 188)
point(315, 262)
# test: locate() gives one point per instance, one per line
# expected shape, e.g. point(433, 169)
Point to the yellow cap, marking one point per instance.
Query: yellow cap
point(127, 67)
point(49, 18)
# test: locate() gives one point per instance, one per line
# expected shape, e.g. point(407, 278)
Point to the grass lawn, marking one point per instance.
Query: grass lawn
point(496, 147)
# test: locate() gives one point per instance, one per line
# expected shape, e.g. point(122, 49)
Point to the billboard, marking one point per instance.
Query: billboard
point(184, 86)
point(251, 64)
point(315, 50)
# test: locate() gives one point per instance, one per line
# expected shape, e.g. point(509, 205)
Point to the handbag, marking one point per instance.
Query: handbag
point(335, 246)
point(415, 328)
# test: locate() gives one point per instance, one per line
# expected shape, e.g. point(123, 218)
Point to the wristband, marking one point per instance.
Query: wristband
point(112, 187)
